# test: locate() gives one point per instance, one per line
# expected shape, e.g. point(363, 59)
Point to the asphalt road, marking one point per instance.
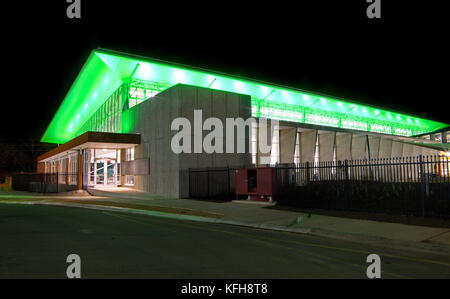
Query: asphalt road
point(36, 240)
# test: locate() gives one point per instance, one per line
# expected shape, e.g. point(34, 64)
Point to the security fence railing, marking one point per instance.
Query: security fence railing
point(417, 186)
point(212, 183)
point(45, 182)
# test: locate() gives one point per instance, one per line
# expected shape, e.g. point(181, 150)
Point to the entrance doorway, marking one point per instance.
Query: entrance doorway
point(104, 168)
point(105, 173)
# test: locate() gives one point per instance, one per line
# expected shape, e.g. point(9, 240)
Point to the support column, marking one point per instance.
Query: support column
point(122, 159)
point(80, 171)
point(67, 171)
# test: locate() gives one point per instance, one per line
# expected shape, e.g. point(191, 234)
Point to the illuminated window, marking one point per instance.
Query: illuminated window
point(438, 137)
point(139, 91)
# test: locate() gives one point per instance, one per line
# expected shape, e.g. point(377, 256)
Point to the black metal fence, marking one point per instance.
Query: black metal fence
point(212, 183)
point(45, 182)
point(404, 186)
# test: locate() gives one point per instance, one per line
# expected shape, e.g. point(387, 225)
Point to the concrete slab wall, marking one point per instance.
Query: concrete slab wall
point(344, 147)
point(264, 158)
point(407, 150)
point(359, 147)
point(287, 145)
point(397, 149)
point(385, 148)
point(326, 146)
point(307, 145)
point(429, 152)
point(417, 150)
point(374, 146)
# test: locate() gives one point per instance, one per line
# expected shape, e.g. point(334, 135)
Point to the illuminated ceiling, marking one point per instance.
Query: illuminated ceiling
point(106, 70)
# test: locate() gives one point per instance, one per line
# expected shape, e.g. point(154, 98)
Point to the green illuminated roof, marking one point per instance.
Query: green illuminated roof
point(106, 70)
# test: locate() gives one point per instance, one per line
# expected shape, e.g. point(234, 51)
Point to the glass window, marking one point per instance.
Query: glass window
point(129, 180)
point(438, 137)
point(130, 154)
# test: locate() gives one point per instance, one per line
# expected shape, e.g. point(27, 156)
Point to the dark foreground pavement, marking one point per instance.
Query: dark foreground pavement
point(35, 241)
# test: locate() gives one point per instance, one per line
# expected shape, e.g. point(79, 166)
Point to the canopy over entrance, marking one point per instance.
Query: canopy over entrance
point(92, 140)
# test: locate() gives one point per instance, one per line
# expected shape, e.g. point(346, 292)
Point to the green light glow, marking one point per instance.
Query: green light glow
point(105, 71)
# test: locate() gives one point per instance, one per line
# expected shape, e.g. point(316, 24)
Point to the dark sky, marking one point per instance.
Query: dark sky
point(399, 62)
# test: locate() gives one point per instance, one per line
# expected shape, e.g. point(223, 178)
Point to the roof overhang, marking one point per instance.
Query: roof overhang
point(97, 140)
point(106, 70)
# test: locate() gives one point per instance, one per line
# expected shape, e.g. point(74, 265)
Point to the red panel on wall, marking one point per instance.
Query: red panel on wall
point(266, 181)
point(255, 181)
point(241, 181)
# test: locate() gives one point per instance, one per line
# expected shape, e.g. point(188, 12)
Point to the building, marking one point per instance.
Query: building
point(114, 126)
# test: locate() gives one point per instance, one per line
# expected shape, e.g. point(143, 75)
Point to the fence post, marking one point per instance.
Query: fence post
point(307, 172)
point(57, 180)
point(207, 175)
point(422, 184)
point(347, 185)
point(229, 185)
point(189, 180)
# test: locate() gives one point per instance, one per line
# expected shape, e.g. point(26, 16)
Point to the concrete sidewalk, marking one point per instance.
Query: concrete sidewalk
point(259, 216)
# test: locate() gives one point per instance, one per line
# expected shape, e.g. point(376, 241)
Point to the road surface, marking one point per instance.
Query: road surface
point(35, 241)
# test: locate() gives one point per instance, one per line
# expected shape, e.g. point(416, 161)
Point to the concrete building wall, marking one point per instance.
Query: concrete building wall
point(308, 145)
point(386, 147)
point(417, 150)
point(343, 147)
point(374, 147)
point(359, 147)
point(429, 152)
point(264, 157)
point(287, 145)
point(153, 118)
point(397, 149)
point(407, 150)
point(326, 146)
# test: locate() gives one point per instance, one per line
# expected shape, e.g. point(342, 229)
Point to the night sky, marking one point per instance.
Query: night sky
point(398, 62)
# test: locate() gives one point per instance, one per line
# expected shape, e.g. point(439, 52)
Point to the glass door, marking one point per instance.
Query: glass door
point(106, 173)
point(99, 172)
point(111, 172)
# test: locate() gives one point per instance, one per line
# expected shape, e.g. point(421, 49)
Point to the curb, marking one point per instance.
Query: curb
point(435, 248)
